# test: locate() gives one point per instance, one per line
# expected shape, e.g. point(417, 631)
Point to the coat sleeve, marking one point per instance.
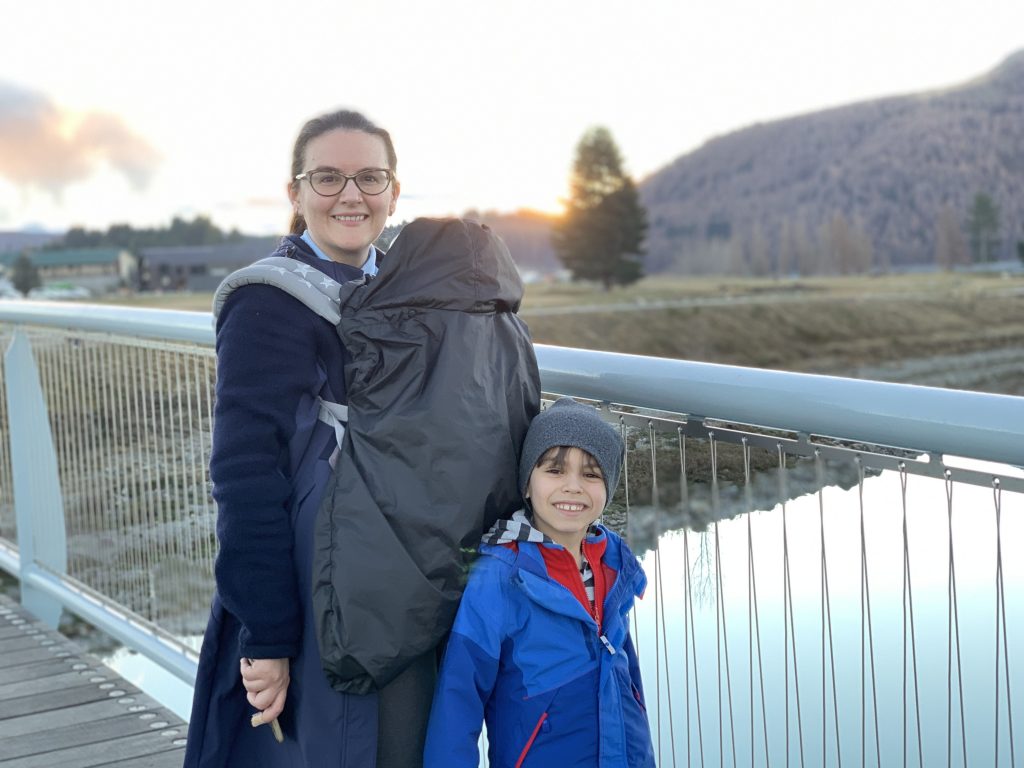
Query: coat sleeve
point(467, 676)
point(266, 363)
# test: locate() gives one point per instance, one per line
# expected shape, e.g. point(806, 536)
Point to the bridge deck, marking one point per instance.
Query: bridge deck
point(62, 707)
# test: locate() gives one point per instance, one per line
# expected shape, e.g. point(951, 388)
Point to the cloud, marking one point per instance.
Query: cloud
point(108, 137)
point(42, 146)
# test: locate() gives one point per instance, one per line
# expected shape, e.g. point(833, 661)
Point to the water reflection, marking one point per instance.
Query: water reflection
point(153, 679)
point(805, 717)
point(774, 683)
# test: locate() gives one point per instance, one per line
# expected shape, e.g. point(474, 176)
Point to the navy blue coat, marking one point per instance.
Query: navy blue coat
point(269, 468)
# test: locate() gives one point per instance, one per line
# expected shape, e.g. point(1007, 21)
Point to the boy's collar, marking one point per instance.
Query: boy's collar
point(520, 528)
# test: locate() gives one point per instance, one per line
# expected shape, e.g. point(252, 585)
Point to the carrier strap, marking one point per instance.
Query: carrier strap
point(335, 415)
point(305, 283)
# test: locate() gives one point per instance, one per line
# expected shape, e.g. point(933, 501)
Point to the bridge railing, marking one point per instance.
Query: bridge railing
point(831, 561)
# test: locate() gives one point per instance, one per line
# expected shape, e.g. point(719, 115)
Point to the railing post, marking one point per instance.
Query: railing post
point(38, 504)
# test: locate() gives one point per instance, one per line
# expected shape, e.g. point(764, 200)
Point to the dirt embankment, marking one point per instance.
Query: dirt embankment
point(940, 335)
point(957, 330)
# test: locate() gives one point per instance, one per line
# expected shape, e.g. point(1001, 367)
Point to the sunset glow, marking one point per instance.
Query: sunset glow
point(115, 112)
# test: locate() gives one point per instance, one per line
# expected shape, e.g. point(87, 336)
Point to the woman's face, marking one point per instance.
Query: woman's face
point(345, 225)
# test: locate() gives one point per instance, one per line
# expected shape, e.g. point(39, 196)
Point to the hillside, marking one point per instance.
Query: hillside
point(888, 166)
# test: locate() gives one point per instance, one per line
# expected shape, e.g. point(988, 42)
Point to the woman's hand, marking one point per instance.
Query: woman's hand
point(266, 681)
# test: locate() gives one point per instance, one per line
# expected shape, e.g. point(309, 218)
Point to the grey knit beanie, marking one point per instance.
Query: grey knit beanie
point(566, 422)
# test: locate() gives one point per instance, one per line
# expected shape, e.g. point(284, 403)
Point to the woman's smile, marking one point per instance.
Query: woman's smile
point(343, 225)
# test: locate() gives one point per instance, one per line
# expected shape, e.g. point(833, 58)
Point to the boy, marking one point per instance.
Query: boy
point(541, 647)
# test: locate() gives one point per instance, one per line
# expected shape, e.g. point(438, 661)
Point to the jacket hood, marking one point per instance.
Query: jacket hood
point(442, 264)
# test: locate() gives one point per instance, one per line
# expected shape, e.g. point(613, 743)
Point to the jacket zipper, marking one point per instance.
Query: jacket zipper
point(600, 635)
point(608, 645)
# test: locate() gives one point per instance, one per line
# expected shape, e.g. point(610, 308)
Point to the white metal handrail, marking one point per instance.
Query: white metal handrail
point(127, 371)
point(929, 419)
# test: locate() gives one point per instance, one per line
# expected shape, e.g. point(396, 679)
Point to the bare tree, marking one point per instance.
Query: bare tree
point(863, 251)
point(735, 256)
point(786, 254)
point(836, 245)
point(848, 245)
point(804, 252)
point(950, 243)
point(758, 257)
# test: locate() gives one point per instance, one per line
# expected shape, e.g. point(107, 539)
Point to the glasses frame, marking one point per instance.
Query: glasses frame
point(354, 178)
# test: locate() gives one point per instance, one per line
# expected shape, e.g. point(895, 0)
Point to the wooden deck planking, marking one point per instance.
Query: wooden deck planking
point(36, 671)
point(60, 706)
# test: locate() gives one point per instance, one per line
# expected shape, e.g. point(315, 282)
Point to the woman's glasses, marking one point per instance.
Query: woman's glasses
point(326, 182)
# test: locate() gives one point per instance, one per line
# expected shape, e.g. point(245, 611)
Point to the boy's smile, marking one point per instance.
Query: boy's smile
point(567, 493)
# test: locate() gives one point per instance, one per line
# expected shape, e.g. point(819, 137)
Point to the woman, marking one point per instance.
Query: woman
point(274, 358)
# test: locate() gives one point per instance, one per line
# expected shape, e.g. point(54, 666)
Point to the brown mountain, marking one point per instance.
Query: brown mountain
point(877, 173)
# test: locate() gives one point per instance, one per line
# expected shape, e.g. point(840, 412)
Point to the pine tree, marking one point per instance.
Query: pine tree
point(983, 228)
point(24, 275)
point(601, 235)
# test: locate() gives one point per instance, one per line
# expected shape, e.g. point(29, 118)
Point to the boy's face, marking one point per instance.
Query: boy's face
point(567, 493)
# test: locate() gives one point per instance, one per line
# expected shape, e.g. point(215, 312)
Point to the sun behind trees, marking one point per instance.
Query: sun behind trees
point(601, 234)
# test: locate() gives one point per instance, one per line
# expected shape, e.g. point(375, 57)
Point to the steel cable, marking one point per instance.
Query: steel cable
point(826, 617)
point(789, 627)
point(658, 614)
point(908, 603)
point(691, 635)
point(866, 606)
point(997, 495)
point(953, 624)
point(753, 618)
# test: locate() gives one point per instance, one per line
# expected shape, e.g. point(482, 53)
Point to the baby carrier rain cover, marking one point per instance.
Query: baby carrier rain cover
point(442, 384)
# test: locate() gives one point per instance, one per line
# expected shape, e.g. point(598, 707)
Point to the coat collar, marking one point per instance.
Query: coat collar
point(617, 556)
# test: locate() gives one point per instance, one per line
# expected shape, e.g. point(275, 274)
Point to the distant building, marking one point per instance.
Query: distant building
point(197, 267)
point(98, 270)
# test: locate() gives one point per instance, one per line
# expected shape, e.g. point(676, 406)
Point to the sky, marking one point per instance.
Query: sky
point(129, 112)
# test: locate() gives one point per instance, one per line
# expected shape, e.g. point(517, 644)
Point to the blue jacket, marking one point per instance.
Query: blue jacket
point(526, 657)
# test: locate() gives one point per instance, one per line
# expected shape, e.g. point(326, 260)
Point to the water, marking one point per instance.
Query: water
point(794, 728)
point(166, 688)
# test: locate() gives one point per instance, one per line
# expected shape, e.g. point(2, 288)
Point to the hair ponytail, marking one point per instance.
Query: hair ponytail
point(297, 225)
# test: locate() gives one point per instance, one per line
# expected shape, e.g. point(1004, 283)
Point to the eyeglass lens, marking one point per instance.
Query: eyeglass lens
point(371, 181)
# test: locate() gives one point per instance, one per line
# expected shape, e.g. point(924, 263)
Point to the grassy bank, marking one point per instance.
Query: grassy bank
point(835, 326)
point(838, 326)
